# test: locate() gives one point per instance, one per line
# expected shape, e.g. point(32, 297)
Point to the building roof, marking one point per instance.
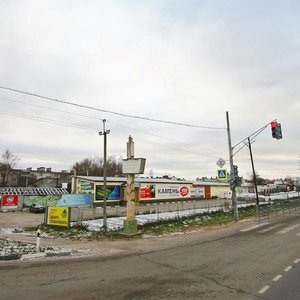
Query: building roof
point(137, 179)
point(32, 191)
point(154, 180)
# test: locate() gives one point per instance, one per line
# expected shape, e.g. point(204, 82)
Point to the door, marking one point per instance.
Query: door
point(207, 193)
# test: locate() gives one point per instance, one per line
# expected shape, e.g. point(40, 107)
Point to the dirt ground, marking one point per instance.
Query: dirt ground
point(20, 219)
point(9, 220)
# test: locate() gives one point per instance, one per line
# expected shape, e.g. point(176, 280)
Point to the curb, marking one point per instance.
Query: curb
point(52, 254)
point(10, 257)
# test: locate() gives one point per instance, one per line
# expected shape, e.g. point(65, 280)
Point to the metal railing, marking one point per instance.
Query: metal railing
point(79, 214)
point(265, 210)
point(281, 207)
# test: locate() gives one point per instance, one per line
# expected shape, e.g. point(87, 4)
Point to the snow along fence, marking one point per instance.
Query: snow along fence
point(82, 213)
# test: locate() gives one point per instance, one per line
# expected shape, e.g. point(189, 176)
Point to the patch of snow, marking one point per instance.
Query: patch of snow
point(116, 223)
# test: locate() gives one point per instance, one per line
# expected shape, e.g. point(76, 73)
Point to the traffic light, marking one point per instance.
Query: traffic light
point(273, 128)
point(276, 130)
point(235, 172)
point(235, 180)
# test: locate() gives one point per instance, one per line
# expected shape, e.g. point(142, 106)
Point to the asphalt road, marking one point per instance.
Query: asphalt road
point(286, 284)
point(239, 261)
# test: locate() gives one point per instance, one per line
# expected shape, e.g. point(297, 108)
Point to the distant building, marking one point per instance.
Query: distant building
point(41, 177)
point(150, 189)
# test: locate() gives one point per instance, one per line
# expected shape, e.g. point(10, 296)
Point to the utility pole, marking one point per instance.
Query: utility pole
point(130, 167)
point(130, 224)
point(104, 133)
point(254, 176)
point(232, 180)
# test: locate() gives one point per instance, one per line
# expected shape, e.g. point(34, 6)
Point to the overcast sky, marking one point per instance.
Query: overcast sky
point(180, 61)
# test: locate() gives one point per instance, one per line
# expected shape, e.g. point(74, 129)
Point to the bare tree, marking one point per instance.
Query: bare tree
point(94, 167)
point(7, 164)
point(259, 179)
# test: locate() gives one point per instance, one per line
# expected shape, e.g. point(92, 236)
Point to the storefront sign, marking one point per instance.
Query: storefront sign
point(10, 201)
point(160, 191)
point(85, 185)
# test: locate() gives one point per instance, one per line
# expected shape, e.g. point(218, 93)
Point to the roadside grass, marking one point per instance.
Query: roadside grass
point(162, 227)
point(196, 222)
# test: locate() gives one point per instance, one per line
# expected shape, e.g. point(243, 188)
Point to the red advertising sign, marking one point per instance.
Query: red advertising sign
point(184, 191)
point(145, 193)
point(10, 201)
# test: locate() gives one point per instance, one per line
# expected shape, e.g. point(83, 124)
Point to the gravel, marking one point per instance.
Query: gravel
point(14, 250)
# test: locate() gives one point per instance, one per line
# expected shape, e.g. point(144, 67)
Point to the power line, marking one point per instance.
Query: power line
point(52, 121)
point(93, 118)
point(251, 137)
point(89, 117)
point(109, 111)
point(50, 108)
point(164, 145)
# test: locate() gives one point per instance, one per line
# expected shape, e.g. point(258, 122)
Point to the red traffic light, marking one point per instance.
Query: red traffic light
point(273, 124)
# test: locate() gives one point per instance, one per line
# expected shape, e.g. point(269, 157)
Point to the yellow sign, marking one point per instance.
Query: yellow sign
point(58, 216)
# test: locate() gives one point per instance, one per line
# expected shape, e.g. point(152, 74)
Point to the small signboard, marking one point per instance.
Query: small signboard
point(86, 185)
point(221, 162)
point(9, 201)
point(58, 216)
point(133, 165)
point(222, 174)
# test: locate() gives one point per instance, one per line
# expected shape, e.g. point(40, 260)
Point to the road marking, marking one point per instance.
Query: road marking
point(264, 289)
point(271, 228)
point(288, 229)
point(297, 260)
point(277, 277)
point(288, 268)
point(254, 227)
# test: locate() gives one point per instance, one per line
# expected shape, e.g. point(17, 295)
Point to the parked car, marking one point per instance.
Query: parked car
point(37, 208)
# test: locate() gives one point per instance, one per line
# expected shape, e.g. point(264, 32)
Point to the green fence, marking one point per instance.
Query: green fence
point(279, 207)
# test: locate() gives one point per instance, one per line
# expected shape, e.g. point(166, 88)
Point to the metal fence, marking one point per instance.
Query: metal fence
point(264, 211)
point(89, 213)
point(278, 208)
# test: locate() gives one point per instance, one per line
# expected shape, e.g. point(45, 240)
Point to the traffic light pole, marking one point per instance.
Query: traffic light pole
point(276, 133)
point(254, 176)
point(232, 181)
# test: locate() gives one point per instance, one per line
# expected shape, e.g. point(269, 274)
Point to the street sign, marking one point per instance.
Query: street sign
point(133, 165)
point(222, 174)
point(221, 162)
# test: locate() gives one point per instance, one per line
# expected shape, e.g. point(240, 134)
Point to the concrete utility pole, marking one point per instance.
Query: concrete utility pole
point(130, 224)
point(104, 133)
point(232, 181)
